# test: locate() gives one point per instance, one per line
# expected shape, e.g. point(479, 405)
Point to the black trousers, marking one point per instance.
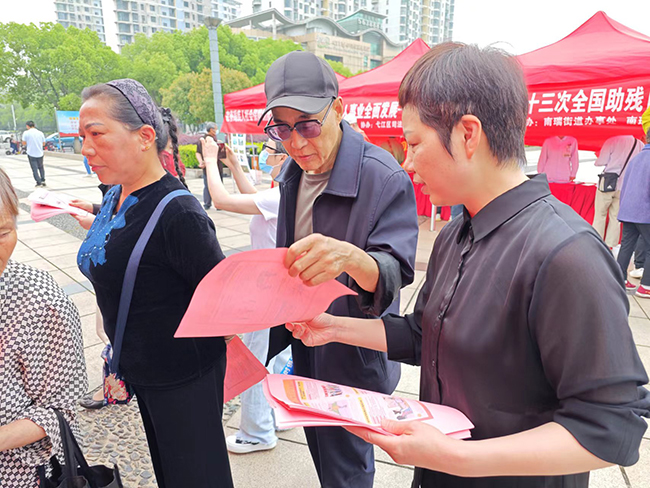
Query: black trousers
point(341, 459)
point(185, 433)
point(207, 200)
point(37, 168)
point(631, 234)
point(639, 253)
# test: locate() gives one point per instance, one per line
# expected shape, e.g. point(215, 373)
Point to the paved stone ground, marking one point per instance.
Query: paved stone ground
point(115, 434)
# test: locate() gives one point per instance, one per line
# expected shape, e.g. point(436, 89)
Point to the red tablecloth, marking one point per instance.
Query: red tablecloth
point(423, 203)
point(579, 196)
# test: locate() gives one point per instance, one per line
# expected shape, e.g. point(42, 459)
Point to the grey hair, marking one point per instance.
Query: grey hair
point(210, 125)
point(8, 197)
point(122, 111)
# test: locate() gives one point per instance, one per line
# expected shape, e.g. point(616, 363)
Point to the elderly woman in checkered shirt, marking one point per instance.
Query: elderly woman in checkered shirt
point(42, 364)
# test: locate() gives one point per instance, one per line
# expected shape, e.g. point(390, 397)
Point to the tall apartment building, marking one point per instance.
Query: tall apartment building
point(437, 20)
point(149, 16)
point(405, 21)
point(294, 10)
point(120, 20)
point(226, 10)
point(81, 14)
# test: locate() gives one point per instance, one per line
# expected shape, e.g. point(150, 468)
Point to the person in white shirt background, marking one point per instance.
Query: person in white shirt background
point(34, 140)
point(614, 156)
point(257, 427)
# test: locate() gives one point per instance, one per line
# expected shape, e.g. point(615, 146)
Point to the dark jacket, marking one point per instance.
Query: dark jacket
point(369, 202)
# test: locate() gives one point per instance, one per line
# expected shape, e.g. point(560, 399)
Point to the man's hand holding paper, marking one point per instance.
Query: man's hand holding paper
point(252, 291)
point(317, 259)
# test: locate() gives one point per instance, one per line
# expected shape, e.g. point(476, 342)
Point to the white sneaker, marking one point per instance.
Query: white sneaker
point(637, 273)
point(240, 446)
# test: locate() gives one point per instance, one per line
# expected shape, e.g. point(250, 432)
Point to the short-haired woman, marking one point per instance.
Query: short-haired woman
point(522, 321)
point(178, 382)
point(42, 365)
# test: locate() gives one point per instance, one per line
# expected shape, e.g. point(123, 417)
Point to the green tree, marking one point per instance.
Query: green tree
point(201, 96)
point(233, 80)
point(71, 101)
point(340, 68)
point(43, 65)
point(238, 52)
point(176, 98)
point(43, 118)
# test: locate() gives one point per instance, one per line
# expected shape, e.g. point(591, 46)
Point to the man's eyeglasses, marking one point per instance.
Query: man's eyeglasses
point(307, 128)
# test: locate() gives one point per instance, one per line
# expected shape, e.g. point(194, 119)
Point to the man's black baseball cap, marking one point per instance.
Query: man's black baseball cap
point(301, 81)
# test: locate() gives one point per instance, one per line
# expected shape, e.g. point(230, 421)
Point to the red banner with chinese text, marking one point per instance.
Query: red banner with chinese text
point(592, 113)
point(379, 118)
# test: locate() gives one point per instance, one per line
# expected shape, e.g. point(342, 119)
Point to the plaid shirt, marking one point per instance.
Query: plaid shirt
point(42, 366)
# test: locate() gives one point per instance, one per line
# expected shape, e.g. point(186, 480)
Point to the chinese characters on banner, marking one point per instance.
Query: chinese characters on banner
point(592, 115)
point(244, 121)
point(380, 118)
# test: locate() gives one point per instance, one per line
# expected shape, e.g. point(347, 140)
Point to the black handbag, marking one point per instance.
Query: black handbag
point(607, 181)
point(75, 472)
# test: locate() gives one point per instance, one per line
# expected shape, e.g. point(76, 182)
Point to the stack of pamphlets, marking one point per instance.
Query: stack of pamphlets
point(304, 402)
point(46, 204)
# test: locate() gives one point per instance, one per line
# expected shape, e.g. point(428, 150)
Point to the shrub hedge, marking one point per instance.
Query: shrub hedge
point(188, 155)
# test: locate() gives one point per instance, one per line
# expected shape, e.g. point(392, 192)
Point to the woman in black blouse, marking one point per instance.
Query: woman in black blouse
point(178, 382)
point(522, 321)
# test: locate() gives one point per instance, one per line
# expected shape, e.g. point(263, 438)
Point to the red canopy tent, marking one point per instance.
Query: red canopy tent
point(591, 85)
point(244, 107)
point(372, 96)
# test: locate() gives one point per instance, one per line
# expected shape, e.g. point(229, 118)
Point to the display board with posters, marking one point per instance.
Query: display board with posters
point(238, 146)
point(67, 123)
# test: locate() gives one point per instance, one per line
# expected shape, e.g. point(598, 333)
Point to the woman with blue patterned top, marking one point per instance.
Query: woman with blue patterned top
point(178, 382)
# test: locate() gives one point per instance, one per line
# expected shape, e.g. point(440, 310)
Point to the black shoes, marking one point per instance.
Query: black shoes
point(90, 404)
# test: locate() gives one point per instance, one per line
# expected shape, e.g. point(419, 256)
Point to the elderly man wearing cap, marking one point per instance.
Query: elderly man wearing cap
point(347, 212)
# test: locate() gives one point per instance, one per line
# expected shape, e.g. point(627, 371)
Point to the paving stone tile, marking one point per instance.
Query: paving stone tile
point(89, 331)
point(94, 364)
point(644, 353)
point(25, 256)
point(74, 288)
point(43, 264)
point(409, 382)
point(639, 474)
point(71, 248)
point(644, 303)
point(611, 477)
point(640, 330)
point(236, 241)
point(85, 302)
point(223, 232)
point(47, 241)
point(291, 460)
point(65, 261)
point(61, 278)
point(635, 308)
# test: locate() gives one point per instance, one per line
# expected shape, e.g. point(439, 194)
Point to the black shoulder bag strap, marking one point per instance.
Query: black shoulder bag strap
point(628, 158)
point(130, 274)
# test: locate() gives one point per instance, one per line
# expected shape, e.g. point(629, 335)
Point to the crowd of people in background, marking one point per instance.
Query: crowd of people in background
point(546, 370)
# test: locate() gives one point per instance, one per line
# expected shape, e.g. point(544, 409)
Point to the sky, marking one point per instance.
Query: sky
point(518, 26)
